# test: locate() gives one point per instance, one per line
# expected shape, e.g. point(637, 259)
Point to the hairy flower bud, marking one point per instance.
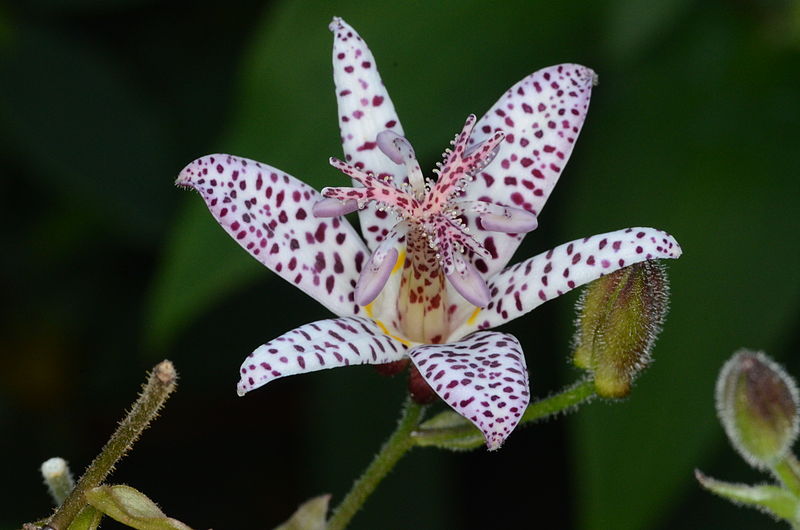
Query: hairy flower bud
point(757, 402)
point(619, 318)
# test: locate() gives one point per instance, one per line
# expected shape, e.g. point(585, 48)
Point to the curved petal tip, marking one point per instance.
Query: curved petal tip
point(191, 176)
point(336, 24)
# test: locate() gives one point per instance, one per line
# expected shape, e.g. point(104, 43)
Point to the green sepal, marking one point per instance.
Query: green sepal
point(88, 519)
point(768, 498)
point(132, 508)
point(311, 515)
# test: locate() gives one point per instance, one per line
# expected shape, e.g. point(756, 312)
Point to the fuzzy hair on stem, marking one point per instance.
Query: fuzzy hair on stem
point(160, 384)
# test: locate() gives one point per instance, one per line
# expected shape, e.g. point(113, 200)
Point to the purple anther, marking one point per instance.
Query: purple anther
point(334, 207)
point(394, 146)
point(509, 220)
point(375, 275)
point(466, 279)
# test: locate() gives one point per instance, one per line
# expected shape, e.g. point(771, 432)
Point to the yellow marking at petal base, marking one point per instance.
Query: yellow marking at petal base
point(368, 311)
point(401, 259)
point(386, 331)
point(471, 319)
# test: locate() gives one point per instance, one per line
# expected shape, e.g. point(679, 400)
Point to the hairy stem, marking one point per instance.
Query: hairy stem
point(392, 451)
point(451, 431)
point(570, 397)
point(160, 384)
point(788, 472)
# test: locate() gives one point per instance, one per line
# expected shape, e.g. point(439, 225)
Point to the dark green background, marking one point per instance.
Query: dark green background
point(107, 268)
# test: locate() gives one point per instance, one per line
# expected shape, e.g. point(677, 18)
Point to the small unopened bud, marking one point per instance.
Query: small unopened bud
point(311, 515)
point(58, 478)
point(619, 318)
point(757, 402)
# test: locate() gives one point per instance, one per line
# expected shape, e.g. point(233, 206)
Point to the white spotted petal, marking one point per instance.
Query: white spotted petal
point(431, 277)
point(483, 378)
point(365, 110)
point(541, 117)
point(528, 284)
point(269, 214)
point(319, 346)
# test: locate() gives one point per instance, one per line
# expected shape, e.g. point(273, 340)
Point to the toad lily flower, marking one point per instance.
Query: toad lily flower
point(432, 276)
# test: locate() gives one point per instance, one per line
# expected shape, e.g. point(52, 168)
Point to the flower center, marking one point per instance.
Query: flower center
point(428, 211)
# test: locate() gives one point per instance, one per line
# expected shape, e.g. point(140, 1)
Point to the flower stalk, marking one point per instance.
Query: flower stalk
point(446, 430)
point(758, 405)
point(392, 451)
point(160, 384)
point(787, 470)
point(453, 432)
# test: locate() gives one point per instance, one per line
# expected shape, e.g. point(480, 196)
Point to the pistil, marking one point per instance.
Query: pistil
point(430, 209)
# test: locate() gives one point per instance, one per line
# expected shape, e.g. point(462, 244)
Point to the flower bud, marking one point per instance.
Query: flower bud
point(619, 318)
point(757, 402)
point(309, 516)
point(58, 478)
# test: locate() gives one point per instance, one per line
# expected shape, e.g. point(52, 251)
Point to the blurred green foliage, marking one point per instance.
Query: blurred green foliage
point(694, 129)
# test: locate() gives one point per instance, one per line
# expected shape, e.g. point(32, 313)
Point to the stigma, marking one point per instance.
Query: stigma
point(429, 209)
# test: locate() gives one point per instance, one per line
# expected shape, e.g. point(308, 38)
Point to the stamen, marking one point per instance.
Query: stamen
point(375, 275)
point(379, 267)
point(386, 143)
point(511, 221)
point(334, 207)
point(506, 219)
point(485, 152)
point(459, 168)
point(468, 282)
point(352, 172)
point(380, 190)
point(453, 232)
point(430, 208)
point(399, 151)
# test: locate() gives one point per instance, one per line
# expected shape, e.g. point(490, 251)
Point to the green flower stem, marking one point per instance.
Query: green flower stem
point(445, 430)
point(160, 384)
point(393, 450)
point(451, 431)
point(788, 472)
point(569, 398)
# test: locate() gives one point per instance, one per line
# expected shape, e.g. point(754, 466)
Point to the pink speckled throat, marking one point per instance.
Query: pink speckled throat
point(430, 223)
